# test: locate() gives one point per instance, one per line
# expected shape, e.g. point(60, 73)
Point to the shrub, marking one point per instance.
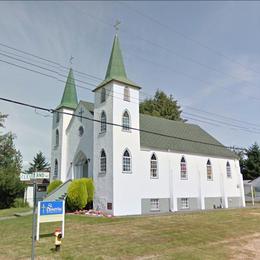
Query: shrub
point(77, 195)
point(20, 203)
point(53, 185)
point(90, 188)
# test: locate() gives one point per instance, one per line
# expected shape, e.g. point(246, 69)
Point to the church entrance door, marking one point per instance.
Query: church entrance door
point(85, 169)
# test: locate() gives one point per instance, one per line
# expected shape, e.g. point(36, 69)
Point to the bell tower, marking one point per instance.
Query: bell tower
point(60, 123)
point(116, 104)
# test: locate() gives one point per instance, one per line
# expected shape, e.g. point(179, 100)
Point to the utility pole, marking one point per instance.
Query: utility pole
point(252, 194)
point(34, 216)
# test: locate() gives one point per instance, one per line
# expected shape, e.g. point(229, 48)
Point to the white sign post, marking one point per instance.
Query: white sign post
point(50, 211)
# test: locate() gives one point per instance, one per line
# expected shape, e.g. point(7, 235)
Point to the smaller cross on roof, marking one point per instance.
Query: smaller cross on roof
point(81, 111)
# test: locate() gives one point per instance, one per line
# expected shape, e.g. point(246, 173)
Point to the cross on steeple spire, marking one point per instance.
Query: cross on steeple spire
point(116, 25)
point(71, 58)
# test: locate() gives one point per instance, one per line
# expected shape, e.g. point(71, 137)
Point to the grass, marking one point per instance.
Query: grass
point(201, 235)
point(10, 212)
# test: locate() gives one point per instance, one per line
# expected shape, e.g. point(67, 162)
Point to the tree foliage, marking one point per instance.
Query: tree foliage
point(2, 119)
point(9, 156)
point(161, 105)
point(250, 164)
point(10, 167)
point(39, 163)
point(10, 186)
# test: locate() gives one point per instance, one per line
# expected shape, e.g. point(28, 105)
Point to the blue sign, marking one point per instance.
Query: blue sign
point(51, 208)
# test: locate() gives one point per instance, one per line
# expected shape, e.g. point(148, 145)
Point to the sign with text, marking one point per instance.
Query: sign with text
point(50, 211)
point(34, 175)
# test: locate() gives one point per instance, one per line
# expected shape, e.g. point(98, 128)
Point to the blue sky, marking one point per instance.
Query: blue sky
point(204, 53)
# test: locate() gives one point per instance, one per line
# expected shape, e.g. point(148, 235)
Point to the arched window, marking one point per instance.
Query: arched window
point(209, 171)
point(184, 175)
point(81, 130)
point(153, 166)
point(103, 95)
point(103, 122)
point(55, 173)
point(57, 137)
point(228, 169)
point(57, 117)
point(126, 121)
point(103, 161)
point(126, 94)
point(126, 162)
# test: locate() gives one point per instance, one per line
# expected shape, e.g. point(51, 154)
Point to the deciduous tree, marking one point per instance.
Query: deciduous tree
point(161, 105)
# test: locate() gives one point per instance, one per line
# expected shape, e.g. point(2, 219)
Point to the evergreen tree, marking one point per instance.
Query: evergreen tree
point(39, 163)
point(161, 105)
point(2, 119)
point(10, 167)
point(250, 166)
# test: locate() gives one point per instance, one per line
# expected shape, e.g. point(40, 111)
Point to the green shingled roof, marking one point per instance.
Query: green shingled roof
point(183, 131)
point(178, 129)
point(69, 98)
point(116, 68)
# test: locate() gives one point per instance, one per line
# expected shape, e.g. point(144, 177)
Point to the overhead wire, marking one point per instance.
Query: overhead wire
point(54, 77)
point(117, 125)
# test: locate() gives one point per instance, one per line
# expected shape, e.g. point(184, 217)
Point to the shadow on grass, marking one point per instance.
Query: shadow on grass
point(46, 235)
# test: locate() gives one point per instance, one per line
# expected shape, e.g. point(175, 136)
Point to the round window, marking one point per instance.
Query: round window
point(81, 130)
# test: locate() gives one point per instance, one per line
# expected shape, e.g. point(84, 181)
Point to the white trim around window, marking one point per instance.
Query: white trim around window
point(127, 162)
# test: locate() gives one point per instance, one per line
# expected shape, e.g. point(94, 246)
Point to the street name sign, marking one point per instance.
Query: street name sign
point(34, 175)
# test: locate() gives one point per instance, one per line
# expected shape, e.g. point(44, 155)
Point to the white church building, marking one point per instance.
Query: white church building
point(165, 166)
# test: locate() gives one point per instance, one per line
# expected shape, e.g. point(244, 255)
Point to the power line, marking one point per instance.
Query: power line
point(54, 71)
point(172, 30)
point(225, 117)
point(53, 77)
point(47, 75)
point(117, 125)
point(175, 53)
point(59, 74)
point(48, 60)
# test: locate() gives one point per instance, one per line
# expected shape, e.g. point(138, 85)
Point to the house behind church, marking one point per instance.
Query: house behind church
point(167, 166)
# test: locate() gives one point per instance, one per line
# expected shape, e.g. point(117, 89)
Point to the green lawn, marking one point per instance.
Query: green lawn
point(10, 212)
point(219, 234)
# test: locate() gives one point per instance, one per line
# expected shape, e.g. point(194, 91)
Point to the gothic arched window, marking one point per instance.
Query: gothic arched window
point(126, 162)
point(228, 169)
point(103, 161)
point(103, 122)
point(209, 171)
point(55, 173)
point(184, 175)
point(126, 121)
point(57, 116)
point(103, 95)
point(126, 94)
point(57, 138)
point(153, 166)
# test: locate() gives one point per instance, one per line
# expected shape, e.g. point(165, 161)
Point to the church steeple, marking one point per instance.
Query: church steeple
point(69, 98)
point(116, 68)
